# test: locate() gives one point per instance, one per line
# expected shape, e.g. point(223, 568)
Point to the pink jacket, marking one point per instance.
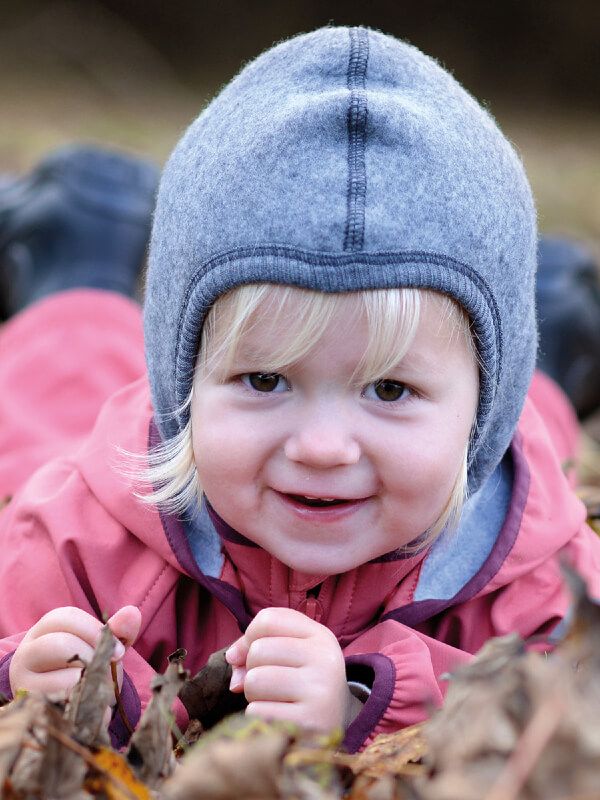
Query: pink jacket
point(75, 535)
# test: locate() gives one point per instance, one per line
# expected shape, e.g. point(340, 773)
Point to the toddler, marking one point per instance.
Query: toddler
point(340, 339)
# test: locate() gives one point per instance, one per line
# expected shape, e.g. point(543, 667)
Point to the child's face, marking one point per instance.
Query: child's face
point(389, 453)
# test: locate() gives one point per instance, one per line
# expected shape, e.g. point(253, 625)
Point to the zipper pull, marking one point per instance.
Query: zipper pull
point(311, 606)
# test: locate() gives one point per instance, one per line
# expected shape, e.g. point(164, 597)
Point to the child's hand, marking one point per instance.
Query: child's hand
point(40, 661)
point(291, 667)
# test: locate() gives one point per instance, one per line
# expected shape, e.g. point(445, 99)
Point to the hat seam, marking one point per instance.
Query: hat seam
point(354, 235)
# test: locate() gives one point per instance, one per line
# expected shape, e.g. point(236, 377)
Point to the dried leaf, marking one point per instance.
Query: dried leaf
point(387, 787)
point(92, 695)
point(150, 749)
point(243, 761)
point(62, 770)
point(114, 779)
point(206, 696)
point(394, 754)
point(45, 767)
point(192, 733)
point(310, 769)
point(25, 776)
point(300, 785)
point(15, 721)
point(250, 758)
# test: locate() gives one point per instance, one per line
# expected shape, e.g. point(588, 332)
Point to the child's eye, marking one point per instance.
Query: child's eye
point(265, 382)
point(387, 390)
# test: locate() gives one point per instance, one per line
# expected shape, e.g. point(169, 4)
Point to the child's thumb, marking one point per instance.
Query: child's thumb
point(125, 624)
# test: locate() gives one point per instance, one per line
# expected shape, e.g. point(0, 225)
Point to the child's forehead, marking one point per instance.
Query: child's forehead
point(285, 307)
point(280, 321)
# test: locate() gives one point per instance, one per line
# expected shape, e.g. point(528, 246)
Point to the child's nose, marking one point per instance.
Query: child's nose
point(322, 443)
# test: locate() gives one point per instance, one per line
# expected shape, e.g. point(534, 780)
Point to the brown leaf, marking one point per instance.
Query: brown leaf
point(300, 785)
point(387, 787)
point(310, 770)
point(393, 753)
point(62, 770)
point(224, 768)
point(93, 693)
point(192, 733)
point(150, 748)
point(15, 720)
point(245, 757)
point(44, 767)
point(206, 696)
point(25, 775)
point(113, 778)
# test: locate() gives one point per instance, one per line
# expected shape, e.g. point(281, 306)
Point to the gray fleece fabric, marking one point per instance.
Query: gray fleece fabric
point(345, 159)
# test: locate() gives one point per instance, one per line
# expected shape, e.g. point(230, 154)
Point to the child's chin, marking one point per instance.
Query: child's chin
point(309, 564)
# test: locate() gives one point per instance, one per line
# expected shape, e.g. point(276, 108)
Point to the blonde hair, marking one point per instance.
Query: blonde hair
point(392, 318)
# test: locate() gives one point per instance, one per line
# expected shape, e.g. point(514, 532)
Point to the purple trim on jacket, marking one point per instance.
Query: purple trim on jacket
point(231, 597)
point(382, 691)
point(5, 687)
point(413, 614)
point(132, 706)
point(225, 531)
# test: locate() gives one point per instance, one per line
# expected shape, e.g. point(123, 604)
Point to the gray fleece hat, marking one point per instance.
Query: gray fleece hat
point(339, 160)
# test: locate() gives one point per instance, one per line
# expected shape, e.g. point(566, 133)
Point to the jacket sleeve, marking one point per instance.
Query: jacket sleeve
point(61, 547)
point(403, 669)
point(536, 602)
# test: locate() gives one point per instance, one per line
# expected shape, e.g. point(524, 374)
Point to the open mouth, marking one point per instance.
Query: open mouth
point(317, 502)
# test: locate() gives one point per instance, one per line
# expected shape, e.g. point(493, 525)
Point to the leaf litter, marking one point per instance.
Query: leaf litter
point(517, 724)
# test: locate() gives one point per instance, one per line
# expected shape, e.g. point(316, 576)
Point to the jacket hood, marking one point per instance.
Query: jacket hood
point(341, 160)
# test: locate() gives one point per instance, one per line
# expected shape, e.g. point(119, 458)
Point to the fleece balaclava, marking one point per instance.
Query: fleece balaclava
point(339, 160)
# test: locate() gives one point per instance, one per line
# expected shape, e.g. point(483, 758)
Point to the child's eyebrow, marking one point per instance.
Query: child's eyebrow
point(250, 355)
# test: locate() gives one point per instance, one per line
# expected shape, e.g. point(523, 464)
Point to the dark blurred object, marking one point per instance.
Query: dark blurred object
point(516, 46)
point(81, 218)
point(568, 304)
point(521, 51)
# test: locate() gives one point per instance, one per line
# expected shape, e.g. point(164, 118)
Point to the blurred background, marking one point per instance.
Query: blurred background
point(134, 73)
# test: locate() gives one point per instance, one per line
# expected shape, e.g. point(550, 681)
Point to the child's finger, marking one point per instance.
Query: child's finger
point(237, 653)
point(280, 622)
point(68, 620)
point(52, 651)
point(125, 624)
point(285, 651)
point(266, 709)
point(238, 677)
point(59, 682)
point(274, 684)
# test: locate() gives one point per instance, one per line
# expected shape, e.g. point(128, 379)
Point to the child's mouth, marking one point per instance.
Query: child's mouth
point(317, 502)
point(322, 509)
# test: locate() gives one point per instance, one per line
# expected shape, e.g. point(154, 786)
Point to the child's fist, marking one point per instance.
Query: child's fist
point(291, 667)
point(40, 662)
